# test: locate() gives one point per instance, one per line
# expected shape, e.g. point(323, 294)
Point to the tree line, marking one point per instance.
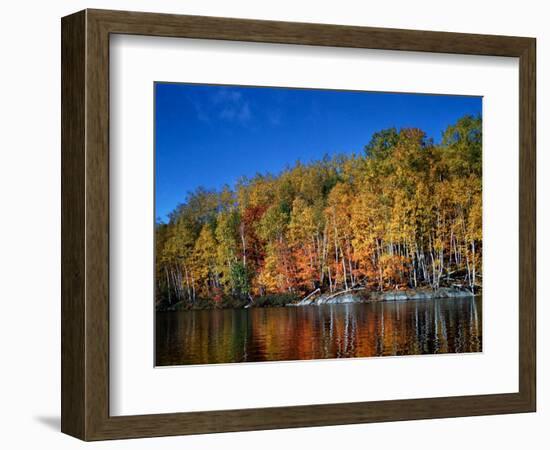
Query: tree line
point(405, 213)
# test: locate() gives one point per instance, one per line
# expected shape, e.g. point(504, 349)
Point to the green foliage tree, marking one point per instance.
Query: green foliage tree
point(240, 279)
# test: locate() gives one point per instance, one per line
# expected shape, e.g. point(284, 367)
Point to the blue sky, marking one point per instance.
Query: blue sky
point(209, 136)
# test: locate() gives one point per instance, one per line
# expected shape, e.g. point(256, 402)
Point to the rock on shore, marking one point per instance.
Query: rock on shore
point(362, 296)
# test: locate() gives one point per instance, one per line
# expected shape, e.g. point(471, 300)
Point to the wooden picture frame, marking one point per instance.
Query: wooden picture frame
point(85, 224)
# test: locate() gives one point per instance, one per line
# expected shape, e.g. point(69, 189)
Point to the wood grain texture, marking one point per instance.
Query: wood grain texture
point(85, 224)
point(527, 224)
point(73, 227)
point(151, 24)
point(97, 225)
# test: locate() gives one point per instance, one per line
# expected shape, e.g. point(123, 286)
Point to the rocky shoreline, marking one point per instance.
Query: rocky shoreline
point(364, 296)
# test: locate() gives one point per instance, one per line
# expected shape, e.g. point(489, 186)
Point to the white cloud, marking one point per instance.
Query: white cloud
point(231, 105)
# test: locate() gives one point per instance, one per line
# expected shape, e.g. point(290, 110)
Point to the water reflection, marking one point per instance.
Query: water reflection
point(318, 332)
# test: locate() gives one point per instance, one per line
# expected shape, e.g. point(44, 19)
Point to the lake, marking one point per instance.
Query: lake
point(413, 327)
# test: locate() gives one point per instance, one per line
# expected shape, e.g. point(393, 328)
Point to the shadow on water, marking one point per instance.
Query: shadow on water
point(414, 327)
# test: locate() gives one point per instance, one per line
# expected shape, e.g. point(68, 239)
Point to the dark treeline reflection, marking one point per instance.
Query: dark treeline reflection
point(327, 331)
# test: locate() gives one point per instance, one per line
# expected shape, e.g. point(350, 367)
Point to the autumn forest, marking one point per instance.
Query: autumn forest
point(404, 213)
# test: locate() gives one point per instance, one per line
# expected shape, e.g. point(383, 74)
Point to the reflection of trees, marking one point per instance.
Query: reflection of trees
point(328, 331)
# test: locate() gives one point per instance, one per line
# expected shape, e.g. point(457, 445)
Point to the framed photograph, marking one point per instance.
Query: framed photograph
point(271, 225)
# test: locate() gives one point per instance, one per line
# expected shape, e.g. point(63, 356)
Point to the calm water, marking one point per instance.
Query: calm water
point(315, 332)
